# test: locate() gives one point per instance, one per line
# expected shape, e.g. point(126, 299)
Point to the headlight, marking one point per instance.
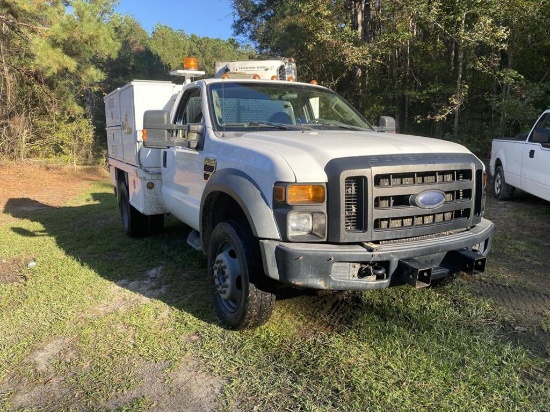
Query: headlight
point(300, 224)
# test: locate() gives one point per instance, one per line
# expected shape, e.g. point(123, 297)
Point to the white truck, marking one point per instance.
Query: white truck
point(284, 183)
point(523, 162)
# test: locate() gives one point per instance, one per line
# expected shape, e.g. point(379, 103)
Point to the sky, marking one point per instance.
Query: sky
point(205, 18)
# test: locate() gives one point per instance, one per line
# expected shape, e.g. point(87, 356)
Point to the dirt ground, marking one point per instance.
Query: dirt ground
point(517, 281)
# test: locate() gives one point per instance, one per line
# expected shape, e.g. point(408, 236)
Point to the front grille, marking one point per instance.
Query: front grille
point(386, 209)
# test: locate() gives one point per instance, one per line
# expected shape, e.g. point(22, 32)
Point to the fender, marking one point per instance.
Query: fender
point(242, 188)
point(498, 157)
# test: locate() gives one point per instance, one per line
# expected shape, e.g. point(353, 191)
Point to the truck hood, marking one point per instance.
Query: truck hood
point(308, 152)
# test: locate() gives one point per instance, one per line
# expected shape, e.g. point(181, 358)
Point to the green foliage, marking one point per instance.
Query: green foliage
point(440, 67)
point(59, 58)
point(49, 54)
point(472, 69)
point(64, 137)
point(170, 45)
point(173, 45)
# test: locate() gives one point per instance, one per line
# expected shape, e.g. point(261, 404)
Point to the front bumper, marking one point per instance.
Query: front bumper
point(340, 267)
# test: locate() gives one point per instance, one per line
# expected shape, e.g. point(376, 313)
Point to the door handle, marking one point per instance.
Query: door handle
point(164, 159)
point(531, 154)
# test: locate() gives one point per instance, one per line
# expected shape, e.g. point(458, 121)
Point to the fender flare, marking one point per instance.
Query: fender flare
point(242, 188)
point(500, 159)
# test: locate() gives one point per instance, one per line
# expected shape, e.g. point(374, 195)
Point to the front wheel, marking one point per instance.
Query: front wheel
point(503, 191)
point(240, 290)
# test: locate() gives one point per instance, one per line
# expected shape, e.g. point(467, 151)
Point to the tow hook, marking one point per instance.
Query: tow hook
point(415, 273)
point(468, 261)
point(372, 272)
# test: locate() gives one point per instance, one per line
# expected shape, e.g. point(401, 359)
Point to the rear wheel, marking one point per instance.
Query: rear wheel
point(503, 191)
point(134, 223)
point(241, 292)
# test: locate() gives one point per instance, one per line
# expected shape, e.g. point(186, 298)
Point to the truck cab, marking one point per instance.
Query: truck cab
point(285, 183)
point(523, 162)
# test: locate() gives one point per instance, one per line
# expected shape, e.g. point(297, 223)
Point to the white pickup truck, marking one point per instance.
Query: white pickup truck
point(523, 162)
point(284, 183)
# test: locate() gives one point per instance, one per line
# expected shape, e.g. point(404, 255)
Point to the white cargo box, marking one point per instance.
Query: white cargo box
point(124, 109)
point(265, 69)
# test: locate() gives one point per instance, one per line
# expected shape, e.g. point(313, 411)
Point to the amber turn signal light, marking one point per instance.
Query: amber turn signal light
point(299, 194)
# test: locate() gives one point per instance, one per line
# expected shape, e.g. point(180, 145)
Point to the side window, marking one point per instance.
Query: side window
point(541, 131)
point(190, 108)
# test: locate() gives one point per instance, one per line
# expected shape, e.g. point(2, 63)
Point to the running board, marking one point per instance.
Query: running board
point(194, 240)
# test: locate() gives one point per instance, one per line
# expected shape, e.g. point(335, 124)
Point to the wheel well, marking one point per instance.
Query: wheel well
point(498, 163)
point(219, 207)
point(121, 177)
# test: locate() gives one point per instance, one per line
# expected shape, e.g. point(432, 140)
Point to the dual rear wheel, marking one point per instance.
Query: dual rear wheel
point(134, 222)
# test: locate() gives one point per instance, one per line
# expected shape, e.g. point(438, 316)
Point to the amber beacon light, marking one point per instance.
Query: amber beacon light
point(190, 63)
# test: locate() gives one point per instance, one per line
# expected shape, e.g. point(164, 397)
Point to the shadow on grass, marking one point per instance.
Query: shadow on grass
point(159, 267)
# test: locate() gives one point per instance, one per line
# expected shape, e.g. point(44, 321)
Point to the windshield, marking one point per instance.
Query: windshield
point(286, 106)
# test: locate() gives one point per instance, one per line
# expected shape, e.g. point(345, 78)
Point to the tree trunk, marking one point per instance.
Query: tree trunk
point(460, 64)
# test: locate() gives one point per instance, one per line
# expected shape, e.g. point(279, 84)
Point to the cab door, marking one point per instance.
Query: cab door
point(535, 166)
point(182, 165)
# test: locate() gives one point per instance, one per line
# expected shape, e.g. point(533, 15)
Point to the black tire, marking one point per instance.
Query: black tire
point(134, 223)
point(243, 296)
point(502, 190)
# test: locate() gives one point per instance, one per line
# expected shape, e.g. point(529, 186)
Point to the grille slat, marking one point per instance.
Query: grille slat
point(421, 220)
point(351, 204)
point(418, 178)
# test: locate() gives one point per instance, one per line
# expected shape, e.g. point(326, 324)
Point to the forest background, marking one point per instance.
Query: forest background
point(461, 70)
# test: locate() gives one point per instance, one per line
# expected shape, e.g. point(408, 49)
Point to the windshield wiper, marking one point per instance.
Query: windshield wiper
point(280, 126)
point(341, 126)
point(269, 124)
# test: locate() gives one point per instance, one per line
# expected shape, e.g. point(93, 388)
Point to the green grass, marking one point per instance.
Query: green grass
point(94, 317)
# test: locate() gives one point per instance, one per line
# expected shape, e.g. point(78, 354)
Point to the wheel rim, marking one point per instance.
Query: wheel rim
point(498, 183)
point(227, 278)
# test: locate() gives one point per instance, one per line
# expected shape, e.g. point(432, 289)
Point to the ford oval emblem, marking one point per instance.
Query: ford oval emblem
point(430, 199)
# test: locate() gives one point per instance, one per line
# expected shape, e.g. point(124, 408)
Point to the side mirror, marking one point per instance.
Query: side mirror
point(540, 136)
point(156, 124)
point(158, 131)
point(386, 124)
